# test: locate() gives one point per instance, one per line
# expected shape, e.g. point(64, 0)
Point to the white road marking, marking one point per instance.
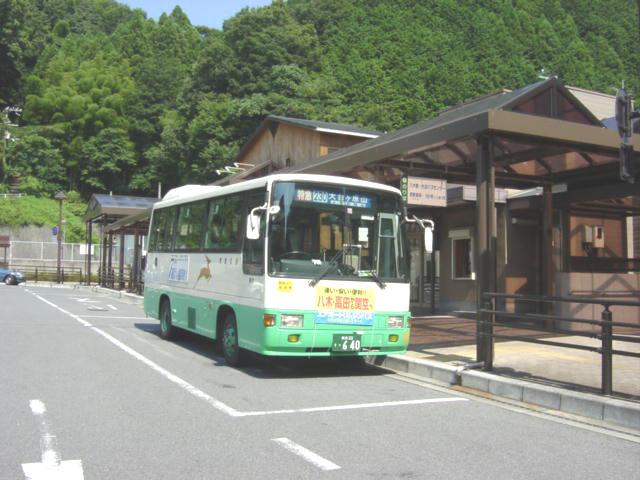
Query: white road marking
point(114, 316)
point(85, 300)
point(354, 406)
point(75, 317)
point(111, 306)
point(311, 457)
point(144, 340)
point(37, 407)
point(51, 467)
point(217, 404)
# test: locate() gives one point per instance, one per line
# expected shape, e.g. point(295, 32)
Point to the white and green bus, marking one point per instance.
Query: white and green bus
point(289, 264)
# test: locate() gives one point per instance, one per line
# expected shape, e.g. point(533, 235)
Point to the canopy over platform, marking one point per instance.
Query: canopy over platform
point(118, 215)
point(131, 225)
point(540, 135)
point(111, 207)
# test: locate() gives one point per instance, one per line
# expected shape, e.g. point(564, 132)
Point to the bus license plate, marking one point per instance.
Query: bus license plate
point(346, 343)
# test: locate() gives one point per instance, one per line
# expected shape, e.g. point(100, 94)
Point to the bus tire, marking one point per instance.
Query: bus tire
point(231, 351)
point(166, 327)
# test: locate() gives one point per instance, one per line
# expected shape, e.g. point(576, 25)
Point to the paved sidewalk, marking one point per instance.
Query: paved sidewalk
point(451, 340)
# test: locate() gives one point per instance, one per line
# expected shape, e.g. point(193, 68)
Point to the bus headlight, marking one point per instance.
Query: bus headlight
point(293, 321)
point(394, 322)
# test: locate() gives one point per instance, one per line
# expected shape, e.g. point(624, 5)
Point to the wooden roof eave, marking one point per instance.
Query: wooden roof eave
point(544, 129)
point(383, 148)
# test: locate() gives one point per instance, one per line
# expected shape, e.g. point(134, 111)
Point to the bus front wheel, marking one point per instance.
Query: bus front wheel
point(166, 328)
point(233, 355)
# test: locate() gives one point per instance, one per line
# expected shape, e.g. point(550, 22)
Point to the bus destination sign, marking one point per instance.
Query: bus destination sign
point(357, 200)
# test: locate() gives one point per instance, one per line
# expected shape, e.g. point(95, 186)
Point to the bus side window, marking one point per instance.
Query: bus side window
point(152, 240)
point(253, 250)
point(223, 224)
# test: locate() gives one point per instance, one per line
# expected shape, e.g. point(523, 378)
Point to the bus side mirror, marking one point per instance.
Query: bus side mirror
point(428, 239)
point(253, 226)
point(253, 222)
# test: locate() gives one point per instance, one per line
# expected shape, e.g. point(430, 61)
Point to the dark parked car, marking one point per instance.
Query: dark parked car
point(11, 277)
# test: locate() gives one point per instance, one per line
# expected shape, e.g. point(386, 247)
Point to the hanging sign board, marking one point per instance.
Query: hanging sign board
point(428, 192)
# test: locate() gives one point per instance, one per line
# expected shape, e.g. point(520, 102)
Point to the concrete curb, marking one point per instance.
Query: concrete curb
point(611, 410)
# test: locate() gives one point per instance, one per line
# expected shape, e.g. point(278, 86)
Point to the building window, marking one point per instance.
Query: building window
point(462, 254)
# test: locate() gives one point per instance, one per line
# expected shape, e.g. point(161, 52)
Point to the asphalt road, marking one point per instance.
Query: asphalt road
point(86, 377)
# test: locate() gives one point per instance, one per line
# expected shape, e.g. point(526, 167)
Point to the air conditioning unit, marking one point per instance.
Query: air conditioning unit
point(593, 235)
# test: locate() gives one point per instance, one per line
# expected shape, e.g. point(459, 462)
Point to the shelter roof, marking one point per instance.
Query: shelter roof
point(326, 127)
point(541, 134)
point(115, 206)
point(131, 224)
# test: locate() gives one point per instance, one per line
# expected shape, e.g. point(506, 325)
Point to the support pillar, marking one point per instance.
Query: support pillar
point(485, 248)
point(421, 276)
point(103, 258)
point(87, 242)
point(432, 276)
point(135, 270)
point(110, 260)
point(121, 263)
point(547, 287)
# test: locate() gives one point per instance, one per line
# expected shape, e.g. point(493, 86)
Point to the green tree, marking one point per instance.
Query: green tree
point(107, 161)
point(39, 165)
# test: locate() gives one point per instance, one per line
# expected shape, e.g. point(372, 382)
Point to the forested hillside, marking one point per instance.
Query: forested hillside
point(113, 101)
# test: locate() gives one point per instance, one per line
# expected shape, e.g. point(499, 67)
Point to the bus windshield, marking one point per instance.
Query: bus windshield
point(328, 231)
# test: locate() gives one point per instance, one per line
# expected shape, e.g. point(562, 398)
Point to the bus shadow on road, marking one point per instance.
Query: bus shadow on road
point(262, 367)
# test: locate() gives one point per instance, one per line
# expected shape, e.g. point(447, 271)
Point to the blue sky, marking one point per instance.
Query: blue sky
point(211, 13)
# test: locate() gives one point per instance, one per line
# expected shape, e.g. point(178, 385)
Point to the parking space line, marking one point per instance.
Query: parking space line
point(311, 457)
point(217, 404)
point(144, 340)
point(196, 392)
point(355, 406)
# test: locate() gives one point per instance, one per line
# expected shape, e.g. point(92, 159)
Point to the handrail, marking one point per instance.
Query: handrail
point(541, 317)
point(490, 316)
point(551, 299)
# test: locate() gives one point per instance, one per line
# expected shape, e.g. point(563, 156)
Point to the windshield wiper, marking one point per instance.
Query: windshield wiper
point(377, 279)
point(326, 269)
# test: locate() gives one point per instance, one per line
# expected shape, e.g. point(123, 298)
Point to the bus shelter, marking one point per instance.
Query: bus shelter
point(129, 275)
point(104, 211)
point(537, 136)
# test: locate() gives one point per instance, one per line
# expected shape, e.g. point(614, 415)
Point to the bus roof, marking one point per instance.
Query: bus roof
point(190, 193)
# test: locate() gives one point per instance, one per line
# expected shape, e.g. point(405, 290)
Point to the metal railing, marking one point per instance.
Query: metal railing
point(129, 279)
point(49, 274)
point(490, 316)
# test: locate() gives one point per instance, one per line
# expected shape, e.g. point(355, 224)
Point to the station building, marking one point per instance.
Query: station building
point(562, 223)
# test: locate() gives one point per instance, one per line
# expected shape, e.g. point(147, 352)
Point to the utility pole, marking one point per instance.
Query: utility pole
point(61, 197)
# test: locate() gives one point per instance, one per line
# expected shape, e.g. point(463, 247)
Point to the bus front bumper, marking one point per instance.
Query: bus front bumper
point(320, 343)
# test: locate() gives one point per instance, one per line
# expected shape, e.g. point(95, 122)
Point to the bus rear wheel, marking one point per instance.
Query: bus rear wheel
point(166, 328)
point(231, 351)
